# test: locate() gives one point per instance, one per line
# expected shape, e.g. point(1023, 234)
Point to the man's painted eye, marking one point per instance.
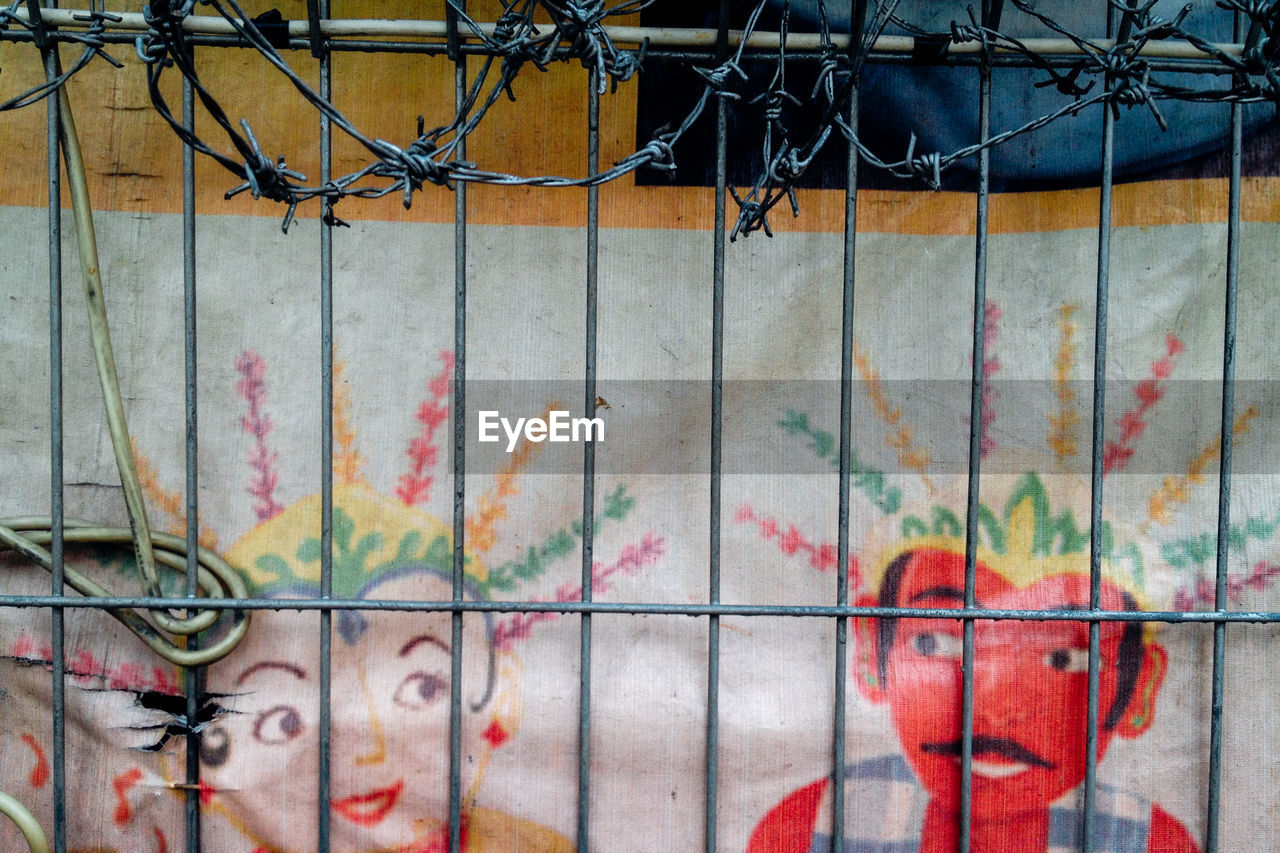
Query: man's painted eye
point(1068, 660)
point(281, 724)
point(938, 644)
point(421, 689)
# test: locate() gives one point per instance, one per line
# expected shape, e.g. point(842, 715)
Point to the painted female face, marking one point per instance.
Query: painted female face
point(1030, 686)
point(390, 725)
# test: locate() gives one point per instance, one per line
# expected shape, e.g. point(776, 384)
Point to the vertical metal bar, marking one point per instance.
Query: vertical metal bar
point(459, 451)
point(857, 23)
point(589, 462)
point(846, 445)
point(977, 390)
point(57, 480)
point(717, 415)
point(1096, 465)
point(193, 682)
point(1224, 475)
point(323, 816)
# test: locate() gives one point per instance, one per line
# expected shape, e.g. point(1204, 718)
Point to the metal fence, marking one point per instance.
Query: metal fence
point(454, 40)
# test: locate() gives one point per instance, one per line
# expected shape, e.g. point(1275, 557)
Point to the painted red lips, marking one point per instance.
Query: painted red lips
point(370, 808)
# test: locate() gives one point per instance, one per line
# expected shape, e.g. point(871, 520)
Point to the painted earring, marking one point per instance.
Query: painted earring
point(496, 734)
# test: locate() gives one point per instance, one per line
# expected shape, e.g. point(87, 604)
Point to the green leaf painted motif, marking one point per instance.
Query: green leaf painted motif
point(1131, 556)
point(309, 551)
point(945, 522)
point(824, 445)
point(274, 565)
point(1106, 539)
point(439, 554)
point(343, 527)
point(560, 543)
point(794, 423)
point(1200, 550)
point(913, 527)
point(408, 548)
point(1190, 551)
point(618, 504)
point(1052, 535)
point(350, 572)
point(995, 532)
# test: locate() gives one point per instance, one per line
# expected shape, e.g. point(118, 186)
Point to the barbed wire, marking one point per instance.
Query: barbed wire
point(577, 32)
point(1126, 76)
point(97, 18)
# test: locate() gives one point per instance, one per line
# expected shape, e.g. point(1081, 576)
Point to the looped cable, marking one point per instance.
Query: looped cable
point(28, 536)
point(27, 824)
point(215, 577)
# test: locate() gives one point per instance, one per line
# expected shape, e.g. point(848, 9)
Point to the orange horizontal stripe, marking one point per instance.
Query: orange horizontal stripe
point(134, 159)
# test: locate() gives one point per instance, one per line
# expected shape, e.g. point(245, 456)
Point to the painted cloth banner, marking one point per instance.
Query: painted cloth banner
point(259, 484)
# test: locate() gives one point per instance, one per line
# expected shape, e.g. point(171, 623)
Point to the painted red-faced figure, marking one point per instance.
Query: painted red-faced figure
point(1030, 686)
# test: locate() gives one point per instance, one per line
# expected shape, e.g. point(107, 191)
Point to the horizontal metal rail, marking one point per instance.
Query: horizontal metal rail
point(627, 35)
point(649, 608)
point(1200, 64)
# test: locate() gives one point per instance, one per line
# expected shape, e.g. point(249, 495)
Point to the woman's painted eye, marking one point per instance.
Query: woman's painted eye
point(1068, 660)
point(281, 724)
point(421, 689)
point(937, 644)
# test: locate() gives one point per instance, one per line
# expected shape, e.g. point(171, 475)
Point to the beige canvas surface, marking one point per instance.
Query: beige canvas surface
point(393, 301)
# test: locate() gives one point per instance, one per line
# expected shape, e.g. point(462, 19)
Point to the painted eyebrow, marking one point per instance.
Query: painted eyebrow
point(419, 640)
point(939, 592)
point(296, 671)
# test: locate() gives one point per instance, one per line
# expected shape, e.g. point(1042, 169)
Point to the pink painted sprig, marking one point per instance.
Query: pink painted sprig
point(823, 557)
point(83, 667)
point(252, 387)
point(517, 627)
point(415, 485)
point(1116, 454)
point(1204, 590)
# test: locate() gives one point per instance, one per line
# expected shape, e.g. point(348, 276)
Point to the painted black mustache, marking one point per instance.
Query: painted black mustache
point(984, 744)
